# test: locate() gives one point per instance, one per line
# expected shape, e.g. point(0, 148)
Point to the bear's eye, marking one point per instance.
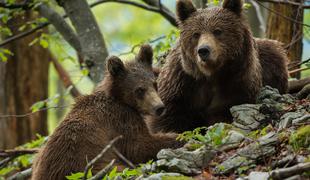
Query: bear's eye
point(217, 32)
point(196, 35)
point(140, 92)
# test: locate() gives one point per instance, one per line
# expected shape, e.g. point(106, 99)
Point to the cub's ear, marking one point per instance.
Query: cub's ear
point(145, 55)
point(184, 9)
point(115, 66)
point(233, 5)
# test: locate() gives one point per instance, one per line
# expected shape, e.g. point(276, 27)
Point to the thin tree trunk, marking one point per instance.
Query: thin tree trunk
point(24, 81)
point(287, 31)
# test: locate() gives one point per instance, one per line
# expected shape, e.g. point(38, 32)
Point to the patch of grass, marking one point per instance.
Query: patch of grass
point(301, 138)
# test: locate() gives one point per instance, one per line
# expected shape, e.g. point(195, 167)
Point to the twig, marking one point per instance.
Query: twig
point(64, 76)
point(123, 158)
point(291, 171)
point(31, 113)
point(21, 175)
point(103, 172)
point(298, 70)
point(93, 161)
point(17, 152)
point(297, 85)
point(297, 64)
point(5, 161)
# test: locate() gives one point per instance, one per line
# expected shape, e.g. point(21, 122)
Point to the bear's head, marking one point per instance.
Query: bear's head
point(212, 37)
point(133, 82)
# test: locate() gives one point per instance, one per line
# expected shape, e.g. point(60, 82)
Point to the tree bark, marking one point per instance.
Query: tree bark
point(24, 81)
point(285, 30)
point(200, 3)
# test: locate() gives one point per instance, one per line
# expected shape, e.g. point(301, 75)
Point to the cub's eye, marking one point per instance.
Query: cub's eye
point(217, 32)
point(196, 35)
point(140, 92)
point(155, 85)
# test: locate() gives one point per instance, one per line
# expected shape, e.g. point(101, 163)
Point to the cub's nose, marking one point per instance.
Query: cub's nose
point(204, 52)
point(159, 109)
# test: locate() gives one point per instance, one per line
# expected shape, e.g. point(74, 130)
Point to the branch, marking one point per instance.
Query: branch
point(64, 76)
point(61, 26)
point(94, 51)
point(170, 18)
point(103, 172)
point(298, 70)
point(24, 5)
point(123, 158)
point(93, 161)
point(291, 171)
point(17, 152)
point(21, 175)
point(164, 11)
point(297, 85)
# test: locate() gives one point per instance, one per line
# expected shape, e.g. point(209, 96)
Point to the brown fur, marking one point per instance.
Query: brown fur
point(199, 91)
point(114, 109)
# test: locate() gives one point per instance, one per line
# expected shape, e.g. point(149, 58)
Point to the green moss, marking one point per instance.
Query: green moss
point(301, 138)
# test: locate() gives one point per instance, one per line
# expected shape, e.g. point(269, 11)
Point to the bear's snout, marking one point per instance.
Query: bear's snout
point(204, 52)
point(159, 109)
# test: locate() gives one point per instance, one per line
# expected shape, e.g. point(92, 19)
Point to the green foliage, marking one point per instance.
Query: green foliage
point(23, 161)
point(213, 135)
point(4, 53)
point(301, 138)
point(79, 175)
point(43, 40)
point(166, 44)
point(260, 132)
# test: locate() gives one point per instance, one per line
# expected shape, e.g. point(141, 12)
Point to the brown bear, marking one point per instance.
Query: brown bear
point(216, 64)
point(117, 106)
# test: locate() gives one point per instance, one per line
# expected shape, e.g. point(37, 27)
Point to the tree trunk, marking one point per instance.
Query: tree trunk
point(287, 31)
point(200, 3)
point(24, 81)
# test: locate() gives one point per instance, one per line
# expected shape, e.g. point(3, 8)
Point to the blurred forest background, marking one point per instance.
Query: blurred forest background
point(43, 67)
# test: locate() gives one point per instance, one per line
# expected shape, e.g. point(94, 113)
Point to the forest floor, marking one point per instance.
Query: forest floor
point(267, 140)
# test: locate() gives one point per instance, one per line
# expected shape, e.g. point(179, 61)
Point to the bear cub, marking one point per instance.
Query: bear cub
point(117, 107)
point(217, 63)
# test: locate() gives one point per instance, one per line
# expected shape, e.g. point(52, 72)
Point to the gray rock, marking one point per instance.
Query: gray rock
point(247, 117)
point(184, 161)
point(264, 146)
point(303, 119)
point(258, 176)
point(287, 118)
point(233, 137)
point(159, 176)
point(270, 95)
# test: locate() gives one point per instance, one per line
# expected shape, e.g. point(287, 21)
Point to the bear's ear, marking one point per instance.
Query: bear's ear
point(184, 9)
point(115, 66)
point(145, 55)
point(233, 5)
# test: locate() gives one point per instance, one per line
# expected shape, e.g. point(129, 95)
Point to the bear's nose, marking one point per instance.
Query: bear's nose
point(159, 110)
point(204, 52)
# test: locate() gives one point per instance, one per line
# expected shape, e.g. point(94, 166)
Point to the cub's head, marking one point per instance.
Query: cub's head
point(211, 37)
point(134, 83)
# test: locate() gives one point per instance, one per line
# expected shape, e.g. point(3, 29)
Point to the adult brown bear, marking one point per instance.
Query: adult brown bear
point(116, 108)
point(216, 64)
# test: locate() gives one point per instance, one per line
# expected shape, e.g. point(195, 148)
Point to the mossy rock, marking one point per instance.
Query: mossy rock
point(301, 138)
